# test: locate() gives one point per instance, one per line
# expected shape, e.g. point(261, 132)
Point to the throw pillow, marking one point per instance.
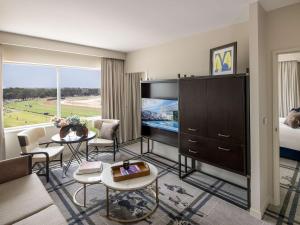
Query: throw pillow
point(295, 109)
point(293, 119)
point(108, 130)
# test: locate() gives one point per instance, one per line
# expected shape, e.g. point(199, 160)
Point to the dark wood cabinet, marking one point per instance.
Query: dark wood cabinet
point(213, 121)
point(226, 109)
point(192, 104)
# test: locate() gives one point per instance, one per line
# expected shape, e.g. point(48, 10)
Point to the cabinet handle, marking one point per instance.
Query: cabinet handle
point(224, 135)
point(192, 129)
point(192, 151)
point(192, 141)
point(224, 149)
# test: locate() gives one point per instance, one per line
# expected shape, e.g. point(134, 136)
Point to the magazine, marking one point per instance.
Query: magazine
point(90, 167)
point(131, 170)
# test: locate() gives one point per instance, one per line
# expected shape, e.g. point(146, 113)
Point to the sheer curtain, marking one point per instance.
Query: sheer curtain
point(2, 140)
point(120, 96)
point(289, 86)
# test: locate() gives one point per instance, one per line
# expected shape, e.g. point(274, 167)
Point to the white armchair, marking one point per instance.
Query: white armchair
point(29, 142)
point(107, 136)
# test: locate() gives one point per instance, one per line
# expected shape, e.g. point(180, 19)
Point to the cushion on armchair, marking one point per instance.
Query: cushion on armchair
point(108, 130)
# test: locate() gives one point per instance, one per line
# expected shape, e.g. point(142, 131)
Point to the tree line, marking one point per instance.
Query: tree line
point(29, 93)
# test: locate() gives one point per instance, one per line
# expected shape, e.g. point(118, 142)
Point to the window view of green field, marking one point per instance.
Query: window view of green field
point(30, 93)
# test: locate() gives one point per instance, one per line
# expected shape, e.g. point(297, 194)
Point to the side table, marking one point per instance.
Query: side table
point(87, 180)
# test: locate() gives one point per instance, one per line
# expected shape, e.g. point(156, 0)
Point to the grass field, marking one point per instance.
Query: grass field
point(41, 110)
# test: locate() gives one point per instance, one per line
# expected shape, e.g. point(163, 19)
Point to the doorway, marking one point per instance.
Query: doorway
point(286, 132)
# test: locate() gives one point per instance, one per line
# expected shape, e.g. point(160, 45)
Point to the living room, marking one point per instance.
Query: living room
point(135, 92)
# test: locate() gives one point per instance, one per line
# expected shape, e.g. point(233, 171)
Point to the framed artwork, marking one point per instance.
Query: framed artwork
point(223, 59)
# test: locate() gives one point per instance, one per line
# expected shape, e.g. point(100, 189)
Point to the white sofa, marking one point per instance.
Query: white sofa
point(23, 197)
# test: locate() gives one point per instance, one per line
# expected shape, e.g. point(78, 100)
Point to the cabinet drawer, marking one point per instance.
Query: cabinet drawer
point(230, 136)
point(228, 156)
point(192, 128)
point(217, 153)
point(194, 146)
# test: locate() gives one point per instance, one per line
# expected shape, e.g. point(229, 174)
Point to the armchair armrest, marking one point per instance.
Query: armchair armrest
point(47, 143)
point(15, 168)
point(37, 153)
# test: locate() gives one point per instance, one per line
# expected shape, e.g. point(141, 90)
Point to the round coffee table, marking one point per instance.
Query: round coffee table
point(130, 185)
point(87, 180)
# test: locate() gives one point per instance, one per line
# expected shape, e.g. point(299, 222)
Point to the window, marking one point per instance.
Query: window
point(30, 93)
point(80, 92)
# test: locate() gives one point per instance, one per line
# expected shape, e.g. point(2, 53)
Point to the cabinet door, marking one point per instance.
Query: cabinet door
point(192, 106)
point(226, 109)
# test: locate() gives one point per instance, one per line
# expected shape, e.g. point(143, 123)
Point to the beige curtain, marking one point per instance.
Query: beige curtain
point(120, 96)
point(2, 142)
point(132, 104)
point(289, 86)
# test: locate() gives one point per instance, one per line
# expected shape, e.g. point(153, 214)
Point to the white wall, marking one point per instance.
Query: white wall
point(57, 46)
point(260, 121)
point(39, 56)
point(283, 29)
point(189, 55)
point(270, 32)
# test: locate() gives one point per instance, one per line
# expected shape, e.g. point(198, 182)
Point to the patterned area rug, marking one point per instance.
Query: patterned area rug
point(288, 212)
point(181, 203)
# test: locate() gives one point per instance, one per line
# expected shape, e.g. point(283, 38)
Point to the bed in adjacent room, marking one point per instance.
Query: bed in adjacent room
point(289, 139)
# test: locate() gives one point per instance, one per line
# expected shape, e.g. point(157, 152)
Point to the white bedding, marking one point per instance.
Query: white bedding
point(288, 137)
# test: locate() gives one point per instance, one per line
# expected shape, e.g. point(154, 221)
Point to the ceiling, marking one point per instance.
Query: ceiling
point(122, 25)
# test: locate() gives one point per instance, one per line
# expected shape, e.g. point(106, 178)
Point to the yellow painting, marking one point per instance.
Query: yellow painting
point(223, 61)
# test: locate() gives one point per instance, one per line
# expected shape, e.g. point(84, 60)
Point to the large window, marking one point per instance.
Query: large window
point(80, 92)
point(31, 94)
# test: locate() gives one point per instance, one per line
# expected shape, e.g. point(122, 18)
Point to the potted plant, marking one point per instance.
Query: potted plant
point(72, 123)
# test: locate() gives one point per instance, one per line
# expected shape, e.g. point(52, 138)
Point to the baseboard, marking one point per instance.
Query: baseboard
point(259, 214)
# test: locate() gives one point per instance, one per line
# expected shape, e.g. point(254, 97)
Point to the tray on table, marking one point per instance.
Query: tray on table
point(117, 176)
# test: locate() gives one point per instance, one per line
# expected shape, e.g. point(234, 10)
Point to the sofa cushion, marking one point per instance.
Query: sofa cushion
point(21, 198)
point(48, 216)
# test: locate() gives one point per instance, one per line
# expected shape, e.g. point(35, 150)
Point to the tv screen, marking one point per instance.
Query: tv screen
point(160, 113)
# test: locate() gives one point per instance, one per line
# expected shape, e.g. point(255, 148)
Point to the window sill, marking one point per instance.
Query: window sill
point(45, 125)
point(21, 128)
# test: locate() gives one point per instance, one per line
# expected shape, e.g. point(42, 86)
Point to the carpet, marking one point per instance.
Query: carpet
point(288, 212)
point(181, 202)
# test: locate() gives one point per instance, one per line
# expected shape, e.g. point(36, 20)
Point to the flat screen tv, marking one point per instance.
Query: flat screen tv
point(160, 113)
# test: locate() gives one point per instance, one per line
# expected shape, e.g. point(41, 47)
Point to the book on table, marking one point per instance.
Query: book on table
point(90, 167)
